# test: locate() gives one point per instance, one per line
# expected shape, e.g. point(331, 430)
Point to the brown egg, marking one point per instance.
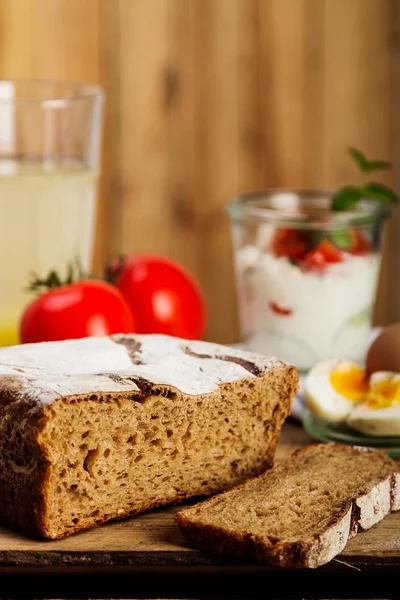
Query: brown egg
point(384, 352)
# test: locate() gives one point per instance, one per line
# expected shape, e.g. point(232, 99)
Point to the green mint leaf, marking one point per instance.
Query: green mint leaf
point(380, 192)
point(378, 165)
point(368, 166)
point(359, 159)
point(341, 239)
point(346, 197)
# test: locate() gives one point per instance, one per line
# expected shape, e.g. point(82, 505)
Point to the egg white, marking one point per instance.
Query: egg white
point(379, 376)
point(320, 396)
point(377, 421)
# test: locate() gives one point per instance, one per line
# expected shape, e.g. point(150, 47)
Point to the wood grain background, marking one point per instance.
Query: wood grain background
point(209, 98)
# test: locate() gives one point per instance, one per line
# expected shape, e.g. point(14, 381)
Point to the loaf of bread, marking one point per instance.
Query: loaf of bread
point(107, 427)
point(302, 512)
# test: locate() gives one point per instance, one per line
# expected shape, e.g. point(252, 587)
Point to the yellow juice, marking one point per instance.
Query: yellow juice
point(47, 218)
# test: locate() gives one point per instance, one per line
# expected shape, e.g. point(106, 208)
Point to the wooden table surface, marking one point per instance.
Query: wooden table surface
point(151, 549)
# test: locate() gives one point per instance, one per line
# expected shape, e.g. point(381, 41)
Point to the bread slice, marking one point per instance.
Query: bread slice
point(103, 428)
point(302, 512)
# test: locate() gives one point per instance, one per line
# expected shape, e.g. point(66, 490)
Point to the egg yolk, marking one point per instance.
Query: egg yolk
point(350, 383)
point(384, 394)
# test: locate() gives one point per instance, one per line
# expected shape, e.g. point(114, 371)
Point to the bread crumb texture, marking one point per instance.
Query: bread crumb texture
point(80, 459)
point(302, 512)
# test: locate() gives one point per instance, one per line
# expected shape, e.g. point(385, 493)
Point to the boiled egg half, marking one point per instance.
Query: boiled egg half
point(379, 414)
point(338, 391)
point(332, 387)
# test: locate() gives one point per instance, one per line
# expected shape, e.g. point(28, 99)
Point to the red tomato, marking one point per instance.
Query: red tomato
point(76, 310)
point(290, 243)
point(360, 245)
point(325, 253)
point(162, 295)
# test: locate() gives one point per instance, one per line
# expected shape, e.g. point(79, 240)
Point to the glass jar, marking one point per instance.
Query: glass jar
point(306, 276)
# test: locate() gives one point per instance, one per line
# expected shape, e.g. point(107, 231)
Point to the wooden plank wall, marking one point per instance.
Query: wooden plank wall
point(209, 98)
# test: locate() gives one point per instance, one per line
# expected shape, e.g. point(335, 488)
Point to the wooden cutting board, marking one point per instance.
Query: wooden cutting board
point(153, 539)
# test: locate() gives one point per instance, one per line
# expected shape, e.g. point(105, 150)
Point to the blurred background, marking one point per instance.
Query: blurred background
point(210, 98)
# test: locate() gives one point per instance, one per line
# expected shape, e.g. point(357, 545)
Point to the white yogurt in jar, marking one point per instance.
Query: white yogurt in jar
point(305, 316)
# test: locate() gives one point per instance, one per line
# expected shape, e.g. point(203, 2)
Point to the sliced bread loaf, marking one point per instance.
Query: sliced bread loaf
point(302, 512)
point(103, 428)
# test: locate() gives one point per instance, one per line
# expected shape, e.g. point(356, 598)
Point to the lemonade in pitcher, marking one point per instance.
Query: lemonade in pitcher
point(47, 217)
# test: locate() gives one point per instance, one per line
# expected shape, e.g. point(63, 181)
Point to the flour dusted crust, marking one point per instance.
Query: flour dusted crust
point(121, 363)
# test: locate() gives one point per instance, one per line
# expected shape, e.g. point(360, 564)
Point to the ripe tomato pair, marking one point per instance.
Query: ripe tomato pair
point(148, 294)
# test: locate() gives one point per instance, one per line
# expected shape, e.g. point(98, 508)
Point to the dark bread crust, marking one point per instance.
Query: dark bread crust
point(24, 442)
point(308, 552)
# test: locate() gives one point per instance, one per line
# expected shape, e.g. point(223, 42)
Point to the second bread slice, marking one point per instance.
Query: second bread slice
point(302, 512)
